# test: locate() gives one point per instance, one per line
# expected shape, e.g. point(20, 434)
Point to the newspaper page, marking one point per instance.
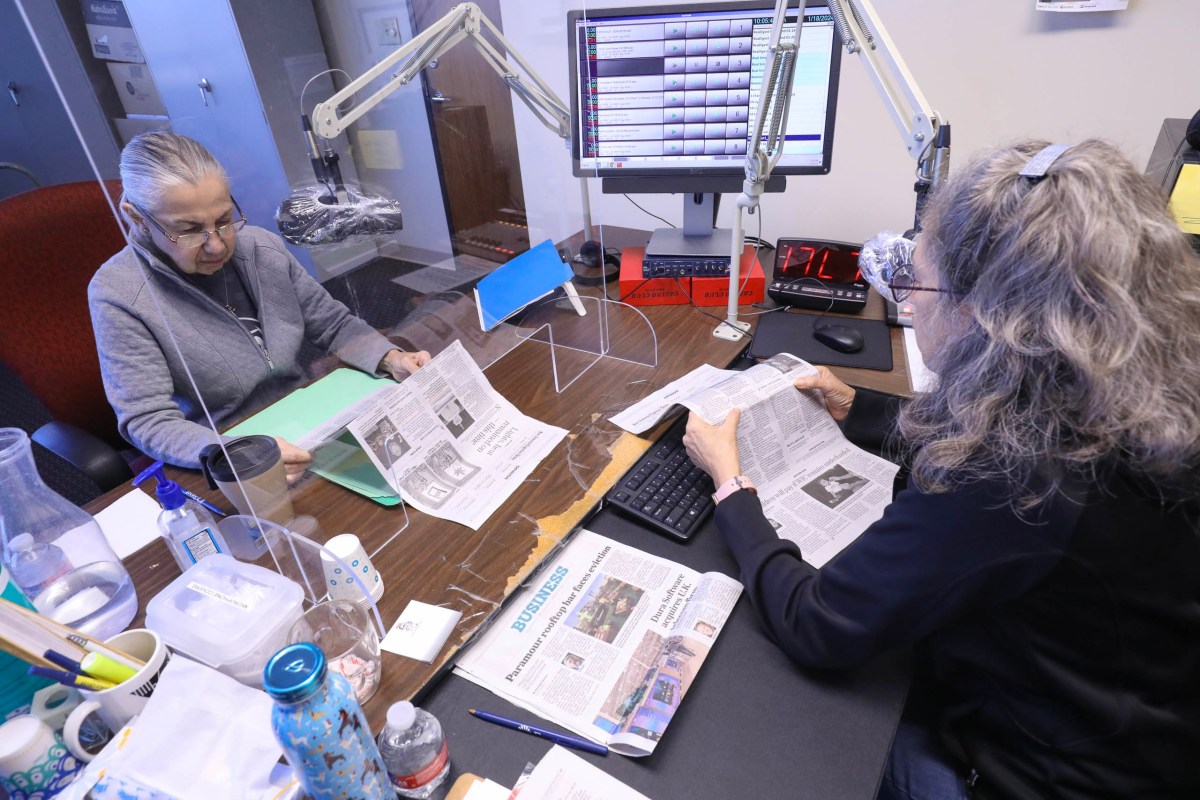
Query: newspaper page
point(606, 641)
point(562, 775)
point(817, 489)
point(448, 443)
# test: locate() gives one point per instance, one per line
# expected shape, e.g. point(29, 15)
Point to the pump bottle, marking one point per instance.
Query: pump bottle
point(189, 530)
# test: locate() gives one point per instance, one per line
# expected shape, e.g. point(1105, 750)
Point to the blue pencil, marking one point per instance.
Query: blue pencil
point(58, 659)
point(558, 738)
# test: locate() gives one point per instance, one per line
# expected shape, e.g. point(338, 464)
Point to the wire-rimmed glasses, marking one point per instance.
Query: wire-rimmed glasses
point(190, 241)
point(904, 283)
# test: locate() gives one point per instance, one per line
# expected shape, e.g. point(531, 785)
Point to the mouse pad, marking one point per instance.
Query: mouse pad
point(791, 332)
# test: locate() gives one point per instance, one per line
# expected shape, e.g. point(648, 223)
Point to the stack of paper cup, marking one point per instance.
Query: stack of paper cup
point(341, 583)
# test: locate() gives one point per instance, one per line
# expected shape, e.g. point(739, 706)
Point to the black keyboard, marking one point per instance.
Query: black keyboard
point(664, 489)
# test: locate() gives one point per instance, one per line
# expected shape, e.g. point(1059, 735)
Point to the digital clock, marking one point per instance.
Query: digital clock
point(818, 274)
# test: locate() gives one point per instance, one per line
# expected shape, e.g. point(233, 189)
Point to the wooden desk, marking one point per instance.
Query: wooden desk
point(443, 563)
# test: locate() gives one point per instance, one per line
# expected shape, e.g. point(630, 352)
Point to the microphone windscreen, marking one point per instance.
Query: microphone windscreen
point(309, 216)
point(1193, 132)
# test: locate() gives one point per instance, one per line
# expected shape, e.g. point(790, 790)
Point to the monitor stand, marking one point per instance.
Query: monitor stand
point(697, 238)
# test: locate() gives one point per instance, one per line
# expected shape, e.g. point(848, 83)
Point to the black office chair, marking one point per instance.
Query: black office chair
point(71, 461)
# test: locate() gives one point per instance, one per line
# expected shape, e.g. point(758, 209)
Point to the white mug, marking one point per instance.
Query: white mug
point(121, 703)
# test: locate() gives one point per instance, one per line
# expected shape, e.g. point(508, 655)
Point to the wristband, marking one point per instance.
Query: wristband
point(734, 484)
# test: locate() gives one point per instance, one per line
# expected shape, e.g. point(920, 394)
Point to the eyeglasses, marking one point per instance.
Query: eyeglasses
point(903, 284)
point(190, 241)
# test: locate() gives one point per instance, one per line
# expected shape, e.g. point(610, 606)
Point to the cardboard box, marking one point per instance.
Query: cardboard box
point(139, 95)
point(638, 291)
point(110, 32)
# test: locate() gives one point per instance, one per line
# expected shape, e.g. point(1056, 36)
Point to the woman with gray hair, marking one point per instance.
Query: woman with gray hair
point(201, 305)
point(1044, 555)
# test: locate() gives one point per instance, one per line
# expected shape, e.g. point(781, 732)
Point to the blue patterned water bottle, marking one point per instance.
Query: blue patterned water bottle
point(321, 727)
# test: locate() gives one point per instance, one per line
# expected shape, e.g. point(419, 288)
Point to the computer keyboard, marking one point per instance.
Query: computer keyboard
point(664, 489)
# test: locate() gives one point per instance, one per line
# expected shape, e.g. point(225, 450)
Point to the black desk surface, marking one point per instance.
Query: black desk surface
point(752, 726)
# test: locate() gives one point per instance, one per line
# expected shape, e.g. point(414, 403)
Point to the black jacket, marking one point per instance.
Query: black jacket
point(1066, 642)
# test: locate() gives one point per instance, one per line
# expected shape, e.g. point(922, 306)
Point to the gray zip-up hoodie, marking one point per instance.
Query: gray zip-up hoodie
point(145, 376)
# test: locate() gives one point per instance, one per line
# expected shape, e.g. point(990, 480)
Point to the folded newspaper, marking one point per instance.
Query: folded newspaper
point(444, 439)
point(606, 641)
point(817, 489)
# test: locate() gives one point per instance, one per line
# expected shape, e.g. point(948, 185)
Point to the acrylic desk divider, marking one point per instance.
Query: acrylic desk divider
point(298, 558)
point(609, 329)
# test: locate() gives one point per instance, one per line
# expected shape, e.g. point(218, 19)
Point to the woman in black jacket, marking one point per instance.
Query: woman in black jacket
point(1044, 556)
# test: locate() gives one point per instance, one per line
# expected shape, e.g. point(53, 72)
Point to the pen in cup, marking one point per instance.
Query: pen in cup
point(71, 679)
point(558, 738)
point(193, 496)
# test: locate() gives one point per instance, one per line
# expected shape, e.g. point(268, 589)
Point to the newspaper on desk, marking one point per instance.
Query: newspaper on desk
point(817, 489)
point(445, 440)
point(606, 641)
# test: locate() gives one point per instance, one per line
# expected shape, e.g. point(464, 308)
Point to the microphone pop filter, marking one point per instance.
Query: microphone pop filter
point(309, 216)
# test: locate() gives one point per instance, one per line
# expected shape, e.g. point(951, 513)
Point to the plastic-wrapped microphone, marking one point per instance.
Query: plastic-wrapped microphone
point(311, 216)
point(882, 255)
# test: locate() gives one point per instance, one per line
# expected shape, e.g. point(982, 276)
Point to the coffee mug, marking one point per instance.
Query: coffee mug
point(257, 462)
point(121, 703)
point(34, 764)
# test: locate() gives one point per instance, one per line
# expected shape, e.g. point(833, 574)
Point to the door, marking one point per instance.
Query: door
point(476, 144)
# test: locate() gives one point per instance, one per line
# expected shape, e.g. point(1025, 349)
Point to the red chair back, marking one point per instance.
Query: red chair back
point(52, 240)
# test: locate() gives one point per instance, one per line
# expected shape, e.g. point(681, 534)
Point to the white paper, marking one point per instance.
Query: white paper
point(130, 523)
point(562, 775)
point(816, 488)
point(448, 443)
point(421, 631)
point(484, 789)
point(605, 641)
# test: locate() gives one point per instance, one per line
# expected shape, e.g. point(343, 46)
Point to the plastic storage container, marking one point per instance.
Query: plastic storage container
point(227, 614)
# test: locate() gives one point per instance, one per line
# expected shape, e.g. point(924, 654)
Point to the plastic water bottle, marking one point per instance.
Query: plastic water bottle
point(321, 727)
point(414, 750)
point(55, 552)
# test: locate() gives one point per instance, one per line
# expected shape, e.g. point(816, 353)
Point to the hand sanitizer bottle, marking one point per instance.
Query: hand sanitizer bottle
point(189, 530)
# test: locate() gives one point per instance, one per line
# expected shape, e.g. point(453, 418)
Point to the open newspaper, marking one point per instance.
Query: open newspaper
point(606, 641)
point(444, 439)
point(817, 489)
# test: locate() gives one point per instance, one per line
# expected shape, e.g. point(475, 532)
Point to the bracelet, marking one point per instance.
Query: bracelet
point(734, 484)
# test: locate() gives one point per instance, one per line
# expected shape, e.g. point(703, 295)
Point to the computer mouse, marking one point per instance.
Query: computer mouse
point(840, 337)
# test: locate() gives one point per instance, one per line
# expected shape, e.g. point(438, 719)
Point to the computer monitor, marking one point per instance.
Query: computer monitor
point(663, 99)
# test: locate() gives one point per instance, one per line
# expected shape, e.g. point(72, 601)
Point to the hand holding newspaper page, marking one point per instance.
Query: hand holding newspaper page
point(817, 489)
point(446, 441)
point(605, 641)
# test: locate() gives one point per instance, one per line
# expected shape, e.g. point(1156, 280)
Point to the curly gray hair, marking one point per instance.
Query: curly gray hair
point(1076, 343)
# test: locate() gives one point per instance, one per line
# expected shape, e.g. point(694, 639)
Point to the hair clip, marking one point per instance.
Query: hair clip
point(1035, 168)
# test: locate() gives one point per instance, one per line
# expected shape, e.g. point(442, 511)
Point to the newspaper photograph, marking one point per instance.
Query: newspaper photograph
point(816, 488)
point(447, 442)
point(605, 641)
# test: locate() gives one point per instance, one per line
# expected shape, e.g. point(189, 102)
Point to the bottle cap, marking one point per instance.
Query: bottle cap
point(169, 495)
point(401, 716)
point(295, 673)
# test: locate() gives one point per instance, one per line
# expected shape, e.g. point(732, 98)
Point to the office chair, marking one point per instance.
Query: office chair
point(52, 240)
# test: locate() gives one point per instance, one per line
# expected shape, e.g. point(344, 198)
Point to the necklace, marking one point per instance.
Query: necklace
point(232, 310)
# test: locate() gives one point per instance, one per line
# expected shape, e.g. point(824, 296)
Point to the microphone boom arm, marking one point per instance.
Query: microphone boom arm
point(926, 136)
point(464, 21)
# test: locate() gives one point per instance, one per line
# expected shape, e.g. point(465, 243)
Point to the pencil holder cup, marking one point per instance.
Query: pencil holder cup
point(354, 563)
point(121, 703)
point(34, 764)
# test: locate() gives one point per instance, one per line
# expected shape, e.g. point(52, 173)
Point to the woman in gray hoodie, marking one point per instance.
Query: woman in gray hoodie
point(201, 305)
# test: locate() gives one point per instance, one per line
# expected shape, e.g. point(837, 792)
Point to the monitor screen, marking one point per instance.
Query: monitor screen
point(670, 91)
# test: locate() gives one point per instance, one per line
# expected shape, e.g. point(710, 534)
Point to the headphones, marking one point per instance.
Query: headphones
point(590, 254)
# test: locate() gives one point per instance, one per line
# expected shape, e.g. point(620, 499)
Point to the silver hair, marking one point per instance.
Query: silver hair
point(155, 161)
point(1076, 333)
